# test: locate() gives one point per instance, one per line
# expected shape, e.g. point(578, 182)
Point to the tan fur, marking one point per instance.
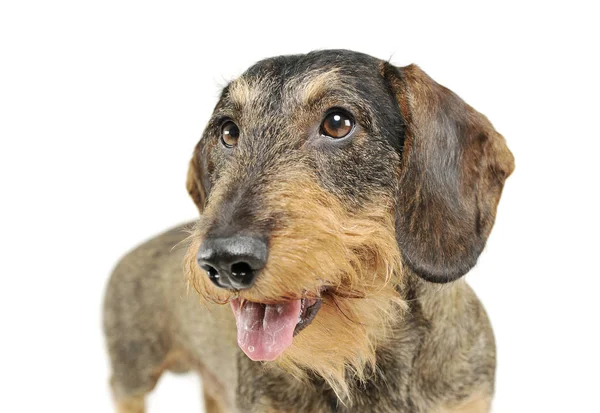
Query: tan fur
point(371, 225)
point(213, 391)
point(175, 361)
point(478, 403)
point(306, 90)
point(131, 405)
point(248, 94)
point(354, 255)
point(211, 403)
point(240, 92)
point(312, 88)
point(194, 186)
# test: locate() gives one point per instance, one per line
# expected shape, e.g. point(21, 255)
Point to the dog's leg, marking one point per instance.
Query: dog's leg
point(136, 329)
point(211, 404)
point(133, 404)
point(130, 385)
point(213, 391)
point(127, 400)
point(475, 405)
point(480, 403)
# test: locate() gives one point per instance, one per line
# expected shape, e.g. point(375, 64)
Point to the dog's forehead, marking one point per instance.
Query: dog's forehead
point(300, 80)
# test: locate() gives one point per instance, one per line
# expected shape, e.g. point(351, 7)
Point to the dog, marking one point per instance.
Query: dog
point(341, 200)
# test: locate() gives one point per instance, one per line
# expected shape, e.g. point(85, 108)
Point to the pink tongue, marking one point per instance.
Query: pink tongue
point(264, 331)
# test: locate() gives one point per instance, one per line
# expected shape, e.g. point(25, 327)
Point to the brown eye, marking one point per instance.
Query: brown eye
point(230, 134)
point(337, 125)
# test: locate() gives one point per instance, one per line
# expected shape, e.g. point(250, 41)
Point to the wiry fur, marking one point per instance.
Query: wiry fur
point(373, 224)
point(350, 255)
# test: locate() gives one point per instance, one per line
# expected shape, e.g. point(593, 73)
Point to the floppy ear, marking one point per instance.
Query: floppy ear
point(454, 168)
point(198, 176)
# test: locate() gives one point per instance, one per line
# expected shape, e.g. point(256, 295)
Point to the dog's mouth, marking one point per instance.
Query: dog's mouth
point(264, 331)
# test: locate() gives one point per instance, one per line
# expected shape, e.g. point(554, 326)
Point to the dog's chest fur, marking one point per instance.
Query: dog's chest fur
point(429, 346)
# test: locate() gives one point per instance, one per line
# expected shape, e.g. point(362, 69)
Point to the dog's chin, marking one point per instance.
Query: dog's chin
point(264, 330)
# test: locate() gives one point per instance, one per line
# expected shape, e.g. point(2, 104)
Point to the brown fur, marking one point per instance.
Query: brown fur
point(354, 254)
point(212, 403)
point(474, 404)
point(131, 405)
point(365, 224)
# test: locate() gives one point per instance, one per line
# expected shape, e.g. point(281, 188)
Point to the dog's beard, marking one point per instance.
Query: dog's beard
point(349, 261)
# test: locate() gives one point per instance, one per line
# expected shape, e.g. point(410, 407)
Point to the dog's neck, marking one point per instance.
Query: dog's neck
point(395, 359)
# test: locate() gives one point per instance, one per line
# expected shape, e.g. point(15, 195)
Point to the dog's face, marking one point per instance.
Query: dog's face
point(321, 179)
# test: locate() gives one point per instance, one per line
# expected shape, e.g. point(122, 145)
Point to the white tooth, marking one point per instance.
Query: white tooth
point(302, 301)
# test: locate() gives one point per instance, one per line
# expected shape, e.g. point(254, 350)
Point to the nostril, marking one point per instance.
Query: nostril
point(241, 270)
point(213, 274)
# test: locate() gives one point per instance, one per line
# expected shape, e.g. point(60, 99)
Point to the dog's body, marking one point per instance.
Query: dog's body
point(444, 345)
point(354, 249)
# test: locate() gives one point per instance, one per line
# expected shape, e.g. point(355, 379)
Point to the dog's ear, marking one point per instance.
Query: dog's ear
point(198, 176)
point(454, 168)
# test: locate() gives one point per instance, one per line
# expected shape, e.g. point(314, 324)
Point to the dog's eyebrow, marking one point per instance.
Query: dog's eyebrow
point(306, 90)
point(328, 88)
point(239, 92)
point(311, 88)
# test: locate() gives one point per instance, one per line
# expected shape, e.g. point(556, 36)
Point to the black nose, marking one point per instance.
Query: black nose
point(232, 262)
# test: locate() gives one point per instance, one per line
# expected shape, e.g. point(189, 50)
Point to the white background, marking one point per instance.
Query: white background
point(102, 102)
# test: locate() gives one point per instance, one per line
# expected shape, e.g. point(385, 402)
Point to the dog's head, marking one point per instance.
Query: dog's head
point(321, 179)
